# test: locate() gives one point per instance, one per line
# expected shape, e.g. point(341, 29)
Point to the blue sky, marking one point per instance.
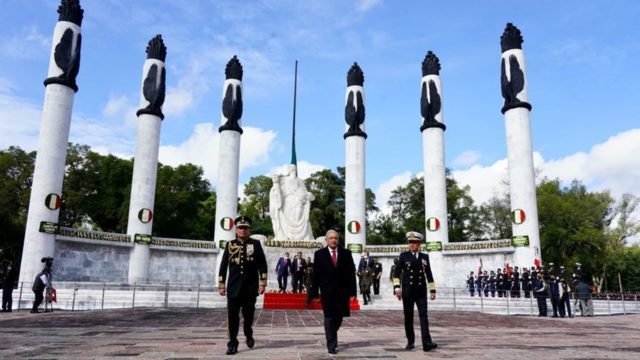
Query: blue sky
point(581, 58)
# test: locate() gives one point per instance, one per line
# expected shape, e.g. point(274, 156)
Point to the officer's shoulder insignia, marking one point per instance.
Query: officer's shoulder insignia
point(424, 262)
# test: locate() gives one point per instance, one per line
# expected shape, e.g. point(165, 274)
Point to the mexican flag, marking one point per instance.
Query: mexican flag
point(433, 224)
point(354, 227)
point(226, 223)
point(53, 201)
point(517, 216)
point(145, 215)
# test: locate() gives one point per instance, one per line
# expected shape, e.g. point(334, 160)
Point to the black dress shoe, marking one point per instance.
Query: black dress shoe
point(250, 342)
point(232, 350)
point(429, 346)
point(409, 347)
point(333, 351)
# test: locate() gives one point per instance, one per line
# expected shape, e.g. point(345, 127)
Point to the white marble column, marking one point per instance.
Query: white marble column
point(435, 188)
point(145, 164)
point(516, 111)
point(355, 190)
point(48, 174)
point(229, 156)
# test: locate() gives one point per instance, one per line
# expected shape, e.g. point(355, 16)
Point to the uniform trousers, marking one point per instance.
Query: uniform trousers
point(376, 285)
point(7, 299)
point(407, 306)
point(248, 307)
point(38, 300)
point(542, 306)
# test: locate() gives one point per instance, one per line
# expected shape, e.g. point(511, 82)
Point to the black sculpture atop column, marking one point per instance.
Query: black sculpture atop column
point(232, 108)
point(431, 105)
point(66, 53)
point(354, 112)
point(512, 86)
point(154, 86)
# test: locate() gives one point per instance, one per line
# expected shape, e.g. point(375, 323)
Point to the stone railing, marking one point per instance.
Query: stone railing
point(94, 235)
point(478, 245)
point(394, 249)
point(183, 243)
point(304, 244)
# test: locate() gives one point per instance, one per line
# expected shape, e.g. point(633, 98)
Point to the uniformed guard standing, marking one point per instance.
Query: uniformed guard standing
point(515, 281)
point(492, 283)
point(410, 280)
point(377, 274)
point(500, 283)
point(247, 278)
point(526, 283)
point(471, 283)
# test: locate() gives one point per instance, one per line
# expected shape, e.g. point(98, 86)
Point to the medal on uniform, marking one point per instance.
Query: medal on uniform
point(250, 249)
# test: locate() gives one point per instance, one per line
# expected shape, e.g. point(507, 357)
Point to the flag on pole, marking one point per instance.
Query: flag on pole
point(536, 263)
point(507, 269)
point(294, 158)
point(480, 267)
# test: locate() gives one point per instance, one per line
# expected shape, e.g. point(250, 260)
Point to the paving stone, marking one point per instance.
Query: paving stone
point(153, 333)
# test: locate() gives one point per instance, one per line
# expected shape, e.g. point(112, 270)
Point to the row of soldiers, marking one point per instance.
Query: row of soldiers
point(512, 281)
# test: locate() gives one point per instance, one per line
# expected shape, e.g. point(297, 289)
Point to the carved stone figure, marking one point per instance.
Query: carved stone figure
point(289, 206)
point(232, 106)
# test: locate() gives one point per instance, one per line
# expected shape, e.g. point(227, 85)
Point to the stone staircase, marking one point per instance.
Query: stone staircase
point(96, 296)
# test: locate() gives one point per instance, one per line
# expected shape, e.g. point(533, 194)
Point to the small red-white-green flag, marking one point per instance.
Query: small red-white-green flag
point(226, 223)
point(433, 224)
point(517, 216)
point(354, 227)
point(145, 215)
point(53, 201)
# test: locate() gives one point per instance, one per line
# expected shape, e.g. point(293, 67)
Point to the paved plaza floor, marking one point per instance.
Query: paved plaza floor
point(152, 333)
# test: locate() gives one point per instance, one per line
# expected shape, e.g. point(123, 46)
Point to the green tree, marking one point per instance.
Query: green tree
point(327, 210)
point(573, 225)
point(16, 175)
point(182, 195)
point(256, 204)
point(496, 216)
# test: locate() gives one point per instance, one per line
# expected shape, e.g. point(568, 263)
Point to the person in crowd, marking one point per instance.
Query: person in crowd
point(541, 292)
point(377, 274)
point(555, 290)
point(308, 275)
point(584, 294)
point(366, 279)
point(515, 283)
point(244, 261)
point(492, 283)
point(479, 283)
point(334, 276)
point(41, 283)
point(410, 281)
point(283, 266)
point(9, 279)
point(565, 300)
point(526, 282)
point(471, 283)
point(297, 270)
point(500, 282)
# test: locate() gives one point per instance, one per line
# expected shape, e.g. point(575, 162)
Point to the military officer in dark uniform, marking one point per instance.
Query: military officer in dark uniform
point(377, 274)
point(526, 283)
point(247, 278)
point(410, 280)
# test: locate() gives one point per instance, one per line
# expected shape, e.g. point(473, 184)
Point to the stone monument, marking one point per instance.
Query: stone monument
point(145, 165)
point(48, 174)
point(289, 207)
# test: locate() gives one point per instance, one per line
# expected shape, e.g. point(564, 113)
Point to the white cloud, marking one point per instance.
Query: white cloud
point(305, 169)
point(365, 5)
point(177, 101)
point(467, 158)
point(28, 44)
point(383, 193)
point(613, 165)
point(202, 149)
point(19, 120)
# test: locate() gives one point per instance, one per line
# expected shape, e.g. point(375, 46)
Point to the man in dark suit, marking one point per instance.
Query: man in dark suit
point(297, 270)
point(377, 273)
point(282, 269)
point(334, 274)
point(247, 278)
point(410, 280)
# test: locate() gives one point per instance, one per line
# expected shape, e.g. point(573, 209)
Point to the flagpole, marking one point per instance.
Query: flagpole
point(294, 160)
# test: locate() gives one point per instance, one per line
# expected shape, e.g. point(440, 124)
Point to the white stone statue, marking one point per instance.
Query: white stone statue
point(289, 206)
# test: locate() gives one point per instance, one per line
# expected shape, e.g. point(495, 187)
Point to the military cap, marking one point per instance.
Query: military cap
point(243, 221)
point(414, 236)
